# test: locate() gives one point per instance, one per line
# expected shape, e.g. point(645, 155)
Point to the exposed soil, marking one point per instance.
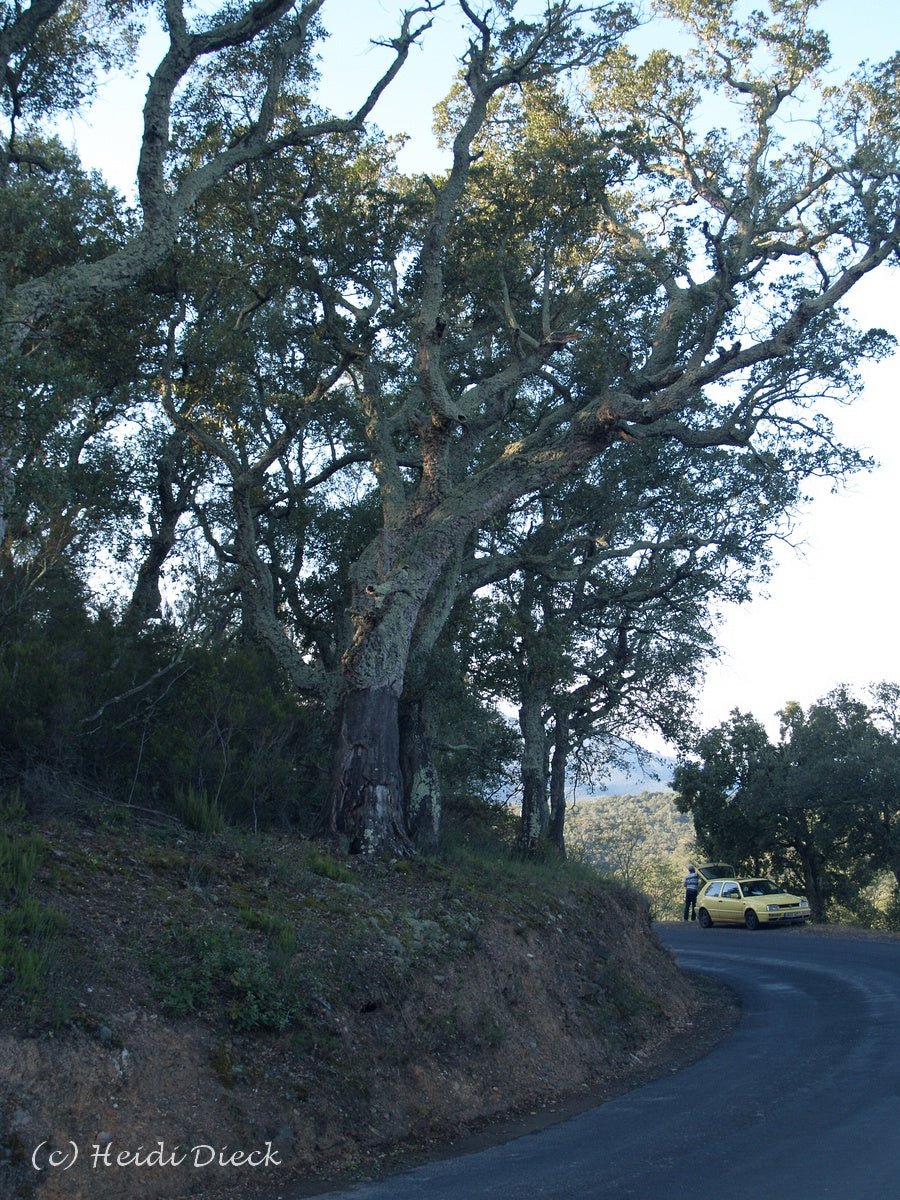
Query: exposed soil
point(716, 1013)
point(341, 1016)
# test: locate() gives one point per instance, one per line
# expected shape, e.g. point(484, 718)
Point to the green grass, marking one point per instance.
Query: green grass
point(199, 812)
point(280, 930)
point(326, 865)
point(28, 929)
point(500, 863)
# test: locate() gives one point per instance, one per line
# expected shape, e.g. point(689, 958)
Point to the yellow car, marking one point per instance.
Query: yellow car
point(750, 902)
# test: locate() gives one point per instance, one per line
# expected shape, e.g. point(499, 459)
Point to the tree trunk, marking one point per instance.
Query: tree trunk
point(7, 490)
point(146, 598)
point(366, 803)
point(812, 878)
point(535, 808)
point(174, 488)
point(421, 785)
point(259, 608)
point(559, 763)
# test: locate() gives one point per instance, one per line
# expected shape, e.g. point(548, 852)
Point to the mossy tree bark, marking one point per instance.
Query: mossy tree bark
point(556, 831)
point(535, 806)
point(421, 783)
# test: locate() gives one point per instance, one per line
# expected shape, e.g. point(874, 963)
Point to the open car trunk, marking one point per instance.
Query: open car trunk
point(708, 871)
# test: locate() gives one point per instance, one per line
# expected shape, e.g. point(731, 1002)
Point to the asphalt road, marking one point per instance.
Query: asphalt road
point(802, 1101)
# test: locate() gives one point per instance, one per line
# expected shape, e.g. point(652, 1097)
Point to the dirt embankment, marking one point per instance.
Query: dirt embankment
point(226, 1017)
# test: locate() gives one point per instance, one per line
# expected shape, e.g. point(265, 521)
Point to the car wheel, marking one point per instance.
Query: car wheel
point(704, 918)
point(751, 920)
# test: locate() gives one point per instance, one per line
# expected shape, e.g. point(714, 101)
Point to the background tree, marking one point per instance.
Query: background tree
point(717, 791)
point(605, 591)
point(815, 808)
point(882, 830)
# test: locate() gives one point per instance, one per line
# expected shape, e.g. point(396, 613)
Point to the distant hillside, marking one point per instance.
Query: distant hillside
point(640, 840)
point(649, 816)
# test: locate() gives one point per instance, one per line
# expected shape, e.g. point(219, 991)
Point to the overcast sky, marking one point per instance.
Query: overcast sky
point(829, 615)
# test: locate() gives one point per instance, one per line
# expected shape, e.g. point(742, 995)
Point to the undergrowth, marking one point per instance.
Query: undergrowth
point(198, 972)
point(252, 932)
point(28, 929)
point(198, 812)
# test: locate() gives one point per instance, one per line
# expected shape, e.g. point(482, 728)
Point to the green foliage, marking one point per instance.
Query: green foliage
point(713, 791)
point(146, 720)
point(474, 746)
point(641, 841)
point(882, 899)
point(213, 968)
point(55, 71)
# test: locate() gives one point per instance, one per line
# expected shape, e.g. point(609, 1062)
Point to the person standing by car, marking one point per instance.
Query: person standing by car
point(691, 888)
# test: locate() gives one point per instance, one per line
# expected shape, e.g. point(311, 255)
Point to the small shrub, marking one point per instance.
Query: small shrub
point(20, 858)
point(198, 812)
point(198, 972)
point(223, 1064)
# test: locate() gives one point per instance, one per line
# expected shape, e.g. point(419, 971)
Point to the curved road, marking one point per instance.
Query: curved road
point(801, 1101)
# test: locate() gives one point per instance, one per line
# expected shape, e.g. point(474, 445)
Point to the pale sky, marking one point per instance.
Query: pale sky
point(829, 613)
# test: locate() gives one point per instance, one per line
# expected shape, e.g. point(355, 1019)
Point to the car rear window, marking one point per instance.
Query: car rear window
point(716, 870)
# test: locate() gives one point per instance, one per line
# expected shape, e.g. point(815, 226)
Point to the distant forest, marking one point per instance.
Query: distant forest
point(642, 840)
